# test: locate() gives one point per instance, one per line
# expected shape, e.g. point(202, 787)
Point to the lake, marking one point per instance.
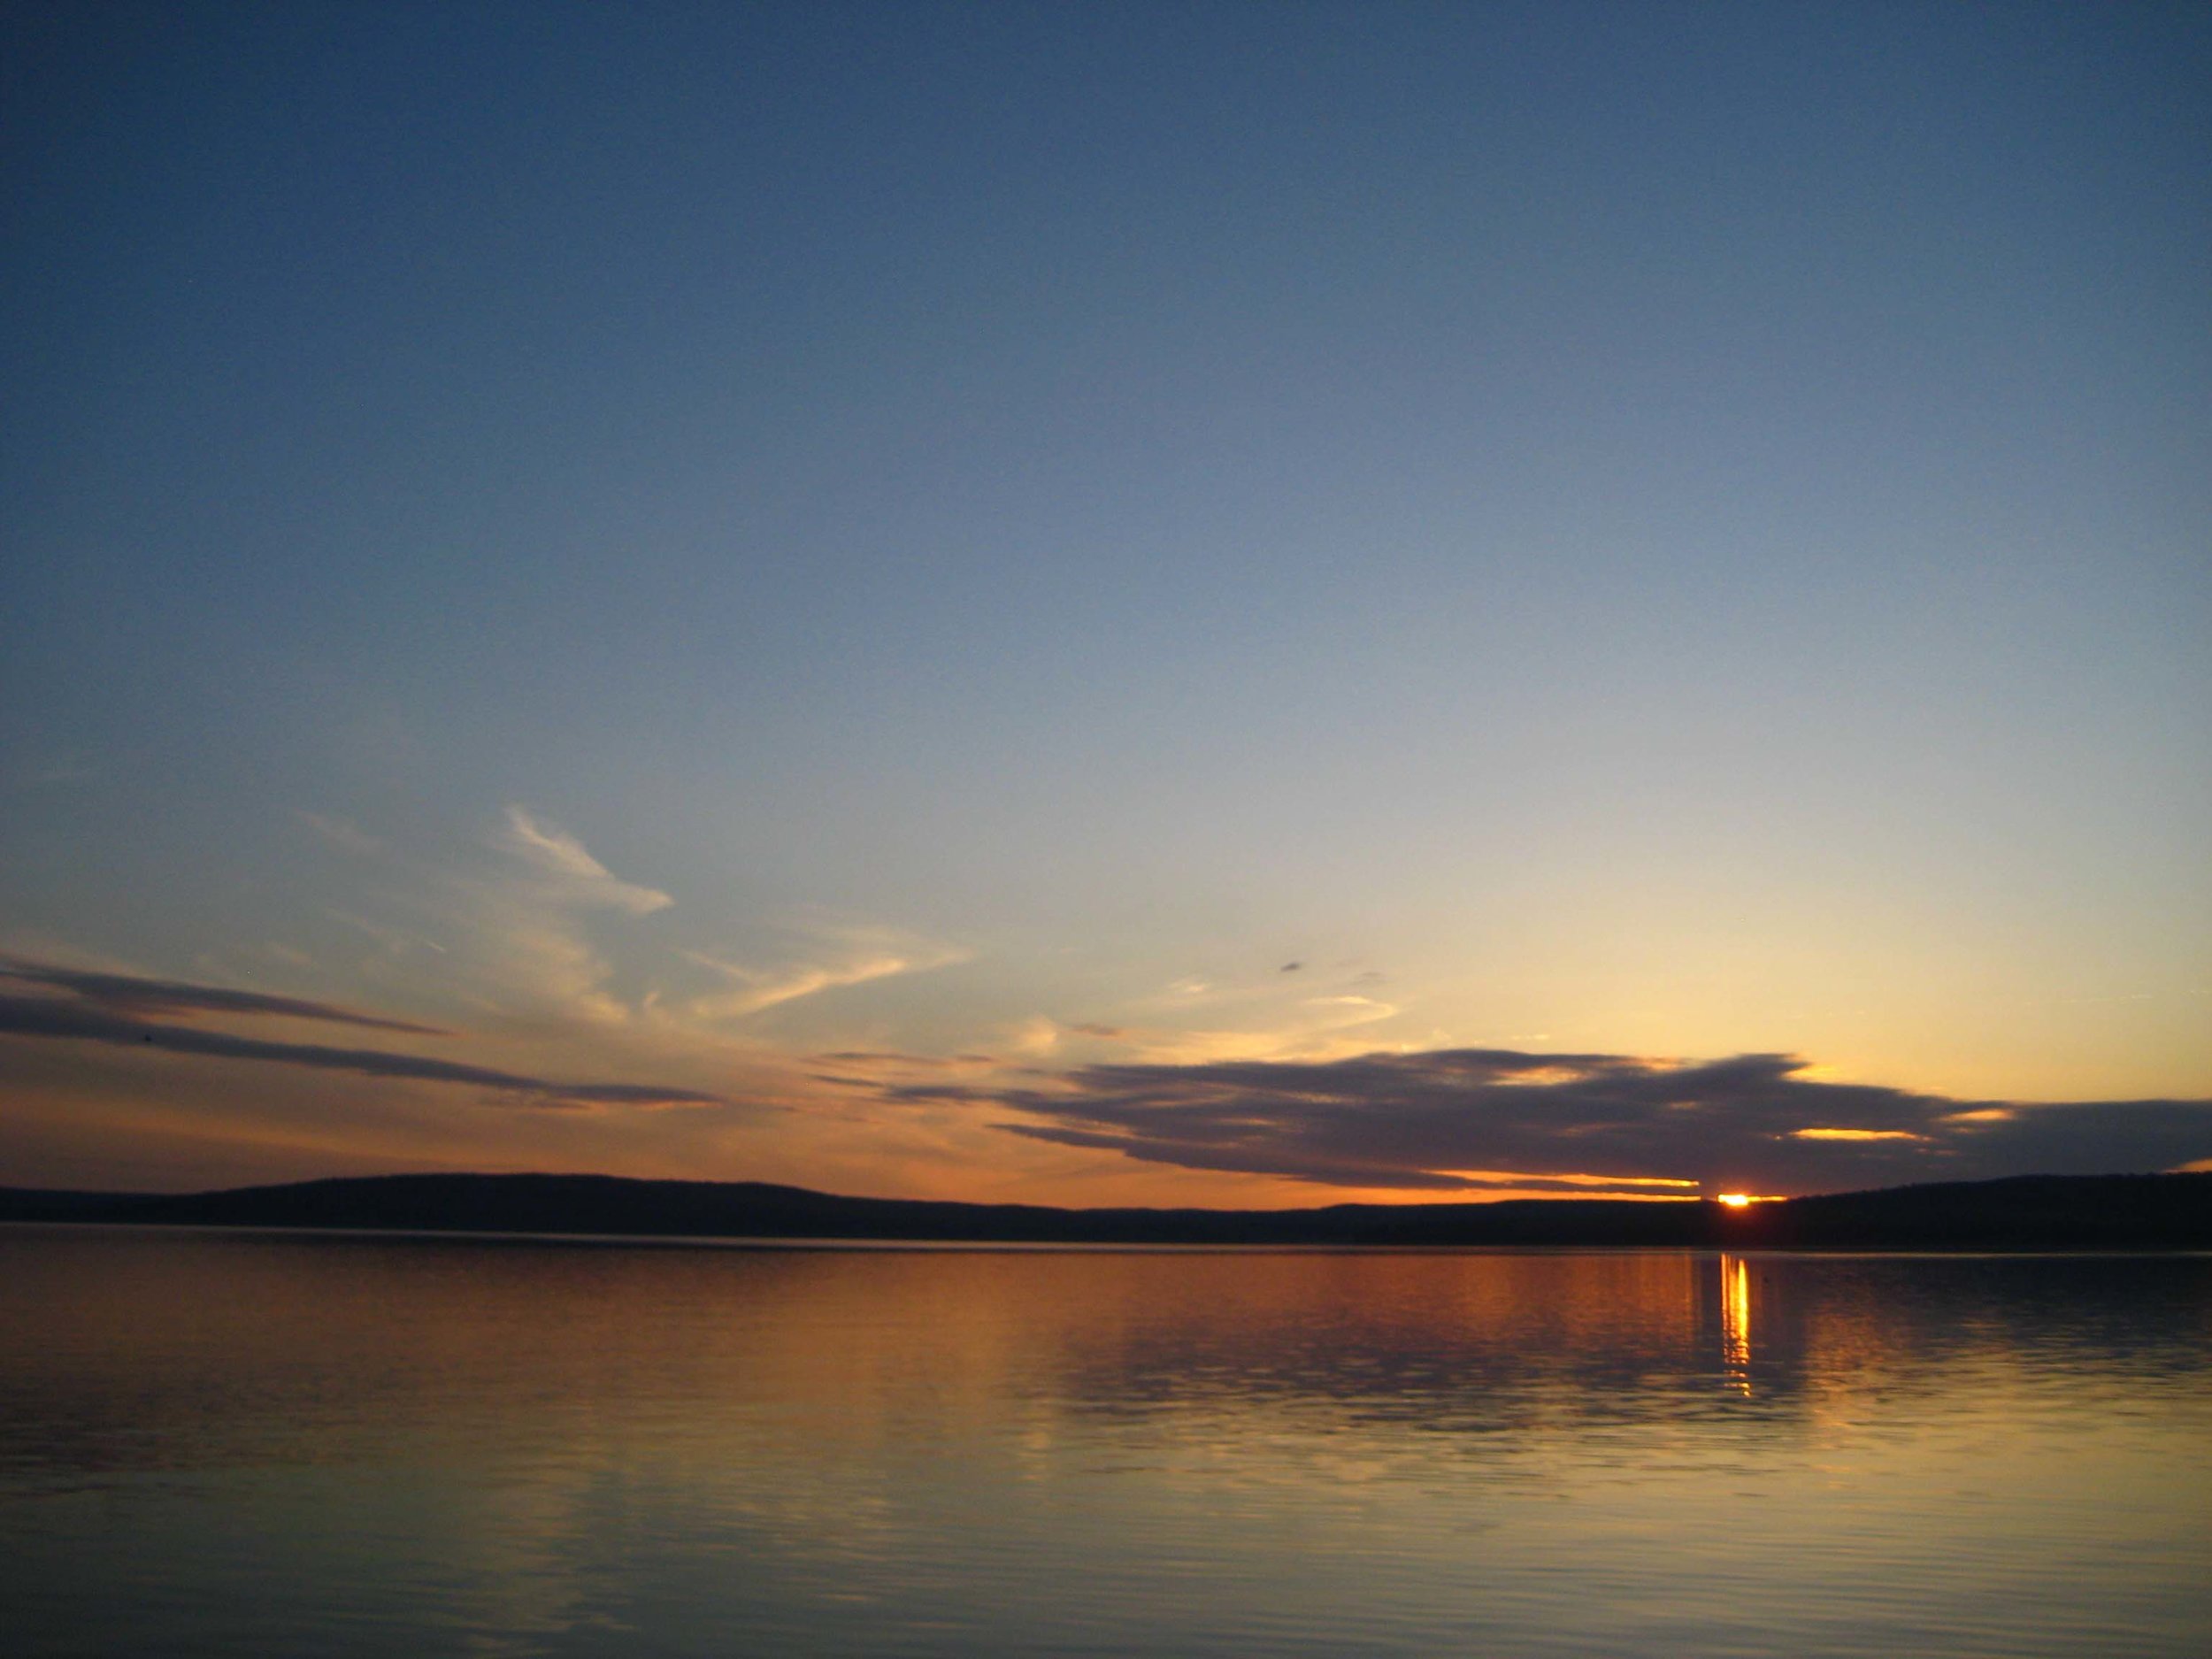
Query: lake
point(297, 1444)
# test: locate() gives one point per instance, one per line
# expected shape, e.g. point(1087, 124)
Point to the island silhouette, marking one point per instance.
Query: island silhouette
point(2037, 1212)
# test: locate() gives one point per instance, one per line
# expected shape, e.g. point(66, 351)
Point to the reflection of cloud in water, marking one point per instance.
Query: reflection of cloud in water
point(190, 1352)
point(168, 1356)
point(722, 1449)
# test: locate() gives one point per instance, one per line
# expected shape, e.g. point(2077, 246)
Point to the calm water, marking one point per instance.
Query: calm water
point(291, 1445)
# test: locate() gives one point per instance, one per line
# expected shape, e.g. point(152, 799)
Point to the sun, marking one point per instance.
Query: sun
point(1735, 1200)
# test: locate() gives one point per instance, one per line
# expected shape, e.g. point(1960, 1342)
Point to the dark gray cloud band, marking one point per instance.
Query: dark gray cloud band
point(100, 1013)
point(1423, 1121)
point(127, 994)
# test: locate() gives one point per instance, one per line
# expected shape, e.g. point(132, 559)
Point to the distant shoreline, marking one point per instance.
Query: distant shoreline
point(809, 1245)
point(2045, 1213)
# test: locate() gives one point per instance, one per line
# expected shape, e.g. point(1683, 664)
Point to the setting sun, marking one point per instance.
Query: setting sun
point(963, 829)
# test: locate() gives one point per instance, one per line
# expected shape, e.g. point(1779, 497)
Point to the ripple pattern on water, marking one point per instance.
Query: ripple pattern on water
point(243, 1444)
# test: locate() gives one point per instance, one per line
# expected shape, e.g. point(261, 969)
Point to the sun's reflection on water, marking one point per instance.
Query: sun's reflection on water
point(1735, 1321)
point(984, 1454)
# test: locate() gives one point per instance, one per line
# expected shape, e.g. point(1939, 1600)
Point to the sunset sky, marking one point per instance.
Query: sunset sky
point(1245, 604)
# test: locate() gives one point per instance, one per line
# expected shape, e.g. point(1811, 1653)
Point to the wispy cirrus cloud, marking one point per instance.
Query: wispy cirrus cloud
point(1471, 1119)
point(1312, 1028)
point(520, 934)
point(560, 857)
point(843, 955)
point(537, 940)
point(1290, 1011)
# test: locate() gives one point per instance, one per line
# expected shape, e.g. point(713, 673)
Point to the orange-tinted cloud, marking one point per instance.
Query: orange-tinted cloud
point(1426, 1121)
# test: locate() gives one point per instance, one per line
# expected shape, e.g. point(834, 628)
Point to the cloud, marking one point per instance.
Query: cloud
point(393, 941)
point(1321, 1028)
point(867, 1057)
point(757, 991)
point(130, 994)
point(520, 936)
point(868, 1070)
point(1352, 1008)
point(856, 956)
point(556, 854)
point(1469, 1118)
point(541, 940)
point(84, 1021)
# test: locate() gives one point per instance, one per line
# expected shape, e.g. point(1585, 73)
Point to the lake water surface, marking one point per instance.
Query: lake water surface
point(288, 1444)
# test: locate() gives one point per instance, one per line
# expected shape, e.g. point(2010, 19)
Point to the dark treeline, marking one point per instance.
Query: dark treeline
point(2099, 1212)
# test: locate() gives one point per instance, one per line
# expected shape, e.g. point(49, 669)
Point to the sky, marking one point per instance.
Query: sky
point(1170, 603)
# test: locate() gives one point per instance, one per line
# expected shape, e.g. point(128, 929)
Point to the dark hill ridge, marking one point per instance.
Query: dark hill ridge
point(2043, 1212)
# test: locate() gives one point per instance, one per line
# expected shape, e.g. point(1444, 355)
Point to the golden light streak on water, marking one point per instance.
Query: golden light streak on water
point(349, 1446)
point(1735, 1321)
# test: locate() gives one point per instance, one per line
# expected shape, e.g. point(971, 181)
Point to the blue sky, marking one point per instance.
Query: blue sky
point(669, 542)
